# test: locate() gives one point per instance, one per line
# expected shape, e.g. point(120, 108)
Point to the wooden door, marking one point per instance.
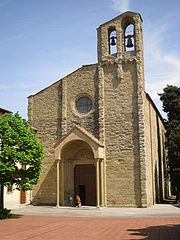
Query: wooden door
point(22, 197)
point(85, 183)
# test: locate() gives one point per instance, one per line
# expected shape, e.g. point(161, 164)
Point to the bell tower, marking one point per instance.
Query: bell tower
point(121, 101)
point(120, 36)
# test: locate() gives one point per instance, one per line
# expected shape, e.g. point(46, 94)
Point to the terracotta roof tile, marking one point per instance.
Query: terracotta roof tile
point(90, 135)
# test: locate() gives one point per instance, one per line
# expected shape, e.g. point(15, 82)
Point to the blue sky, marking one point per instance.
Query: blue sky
point(43, 40)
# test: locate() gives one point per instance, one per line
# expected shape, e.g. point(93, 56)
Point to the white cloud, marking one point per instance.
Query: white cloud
point(173, 60)
point(161, 65)
point(3, 87)
point(121, 5)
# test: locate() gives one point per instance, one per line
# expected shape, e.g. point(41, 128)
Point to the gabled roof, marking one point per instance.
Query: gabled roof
point(155, 108)
point(66, 76)
point(84, 132)
point(121, 16)
point(4, 110)
point(78, 133)
point(90, 135)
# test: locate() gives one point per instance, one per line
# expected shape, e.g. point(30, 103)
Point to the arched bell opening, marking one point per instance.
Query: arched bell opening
point(79, 173)
point(112, 39)
point(129, 36)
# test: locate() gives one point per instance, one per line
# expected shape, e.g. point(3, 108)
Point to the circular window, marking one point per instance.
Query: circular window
point(84, 105)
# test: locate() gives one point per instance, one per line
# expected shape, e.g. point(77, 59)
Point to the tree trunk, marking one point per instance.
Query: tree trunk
point(1, 197)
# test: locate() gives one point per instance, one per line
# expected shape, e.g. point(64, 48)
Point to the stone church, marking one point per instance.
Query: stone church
point(103, 135)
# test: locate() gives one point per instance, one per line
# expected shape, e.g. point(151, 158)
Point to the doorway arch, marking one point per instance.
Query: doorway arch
point(79, 151)
point(79, 172)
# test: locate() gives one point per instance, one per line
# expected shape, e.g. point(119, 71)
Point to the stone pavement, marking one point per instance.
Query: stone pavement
point(160, 222)
point(158, 210)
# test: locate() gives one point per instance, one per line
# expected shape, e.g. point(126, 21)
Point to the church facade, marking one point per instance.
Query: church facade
point(103, 135)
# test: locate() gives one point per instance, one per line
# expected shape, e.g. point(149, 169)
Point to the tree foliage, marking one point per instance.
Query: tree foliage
point(21, 153)
point(171, 105)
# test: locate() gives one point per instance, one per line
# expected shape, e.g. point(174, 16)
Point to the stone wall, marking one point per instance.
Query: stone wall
point(52, 113)
point(82, 83)
point(155, 152)
point(121, 134)
point(123, 113)
point(123, 118)
point(43, 111)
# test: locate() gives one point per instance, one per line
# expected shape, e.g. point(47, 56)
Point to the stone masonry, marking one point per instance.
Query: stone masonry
point(122, 135)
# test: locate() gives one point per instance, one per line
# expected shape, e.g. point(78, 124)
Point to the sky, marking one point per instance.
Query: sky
point(42, 41)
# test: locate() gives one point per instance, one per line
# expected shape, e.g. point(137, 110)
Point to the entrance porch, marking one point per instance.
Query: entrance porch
point(80, 169)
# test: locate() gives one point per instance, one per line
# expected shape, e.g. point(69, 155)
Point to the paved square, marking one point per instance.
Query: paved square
point(71, 228)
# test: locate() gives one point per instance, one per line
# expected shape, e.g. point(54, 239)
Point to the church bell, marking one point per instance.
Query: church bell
point(112, 41)
point(129, 41)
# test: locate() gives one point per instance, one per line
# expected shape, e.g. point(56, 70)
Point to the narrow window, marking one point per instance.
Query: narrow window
point(112, 41)
point(129, 42)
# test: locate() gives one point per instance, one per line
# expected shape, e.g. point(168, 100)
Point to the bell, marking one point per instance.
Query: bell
point(112, 41)
point(129, 42)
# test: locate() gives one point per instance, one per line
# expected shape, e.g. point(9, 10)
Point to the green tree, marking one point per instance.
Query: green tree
point(171, 105)
point(21, 154)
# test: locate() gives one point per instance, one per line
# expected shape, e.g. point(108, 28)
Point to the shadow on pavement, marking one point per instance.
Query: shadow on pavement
point(172, 200)
point(176, 205)
point(161, 232)
point(15, 216)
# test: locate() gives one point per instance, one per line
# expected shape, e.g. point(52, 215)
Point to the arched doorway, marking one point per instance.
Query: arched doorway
point(79, 172)
point(79, 151)
point(85, 183)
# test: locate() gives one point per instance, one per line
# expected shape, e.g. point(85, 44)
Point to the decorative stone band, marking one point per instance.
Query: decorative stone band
point(118, 60)
point(101, 103)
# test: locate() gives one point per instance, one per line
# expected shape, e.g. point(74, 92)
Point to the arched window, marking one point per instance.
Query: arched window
point(129, 38)
point(112, 41)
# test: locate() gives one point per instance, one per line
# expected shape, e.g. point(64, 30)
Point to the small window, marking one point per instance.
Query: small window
point(84, 104)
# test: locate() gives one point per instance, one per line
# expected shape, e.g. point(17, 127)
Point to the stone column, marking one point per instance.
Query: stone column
point(102, 181)
point(57, 191)
point(101, 104)
point(62, 182)
point(105, 192)
point(97, 182)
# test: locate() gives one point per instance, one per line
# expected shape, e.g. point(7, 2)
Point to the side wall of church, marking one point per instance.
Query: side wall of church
point(154, 133)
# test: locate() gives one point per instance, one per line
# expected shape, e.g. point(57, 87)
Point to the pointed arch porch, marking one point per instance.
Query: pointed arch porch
point(76, 149)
